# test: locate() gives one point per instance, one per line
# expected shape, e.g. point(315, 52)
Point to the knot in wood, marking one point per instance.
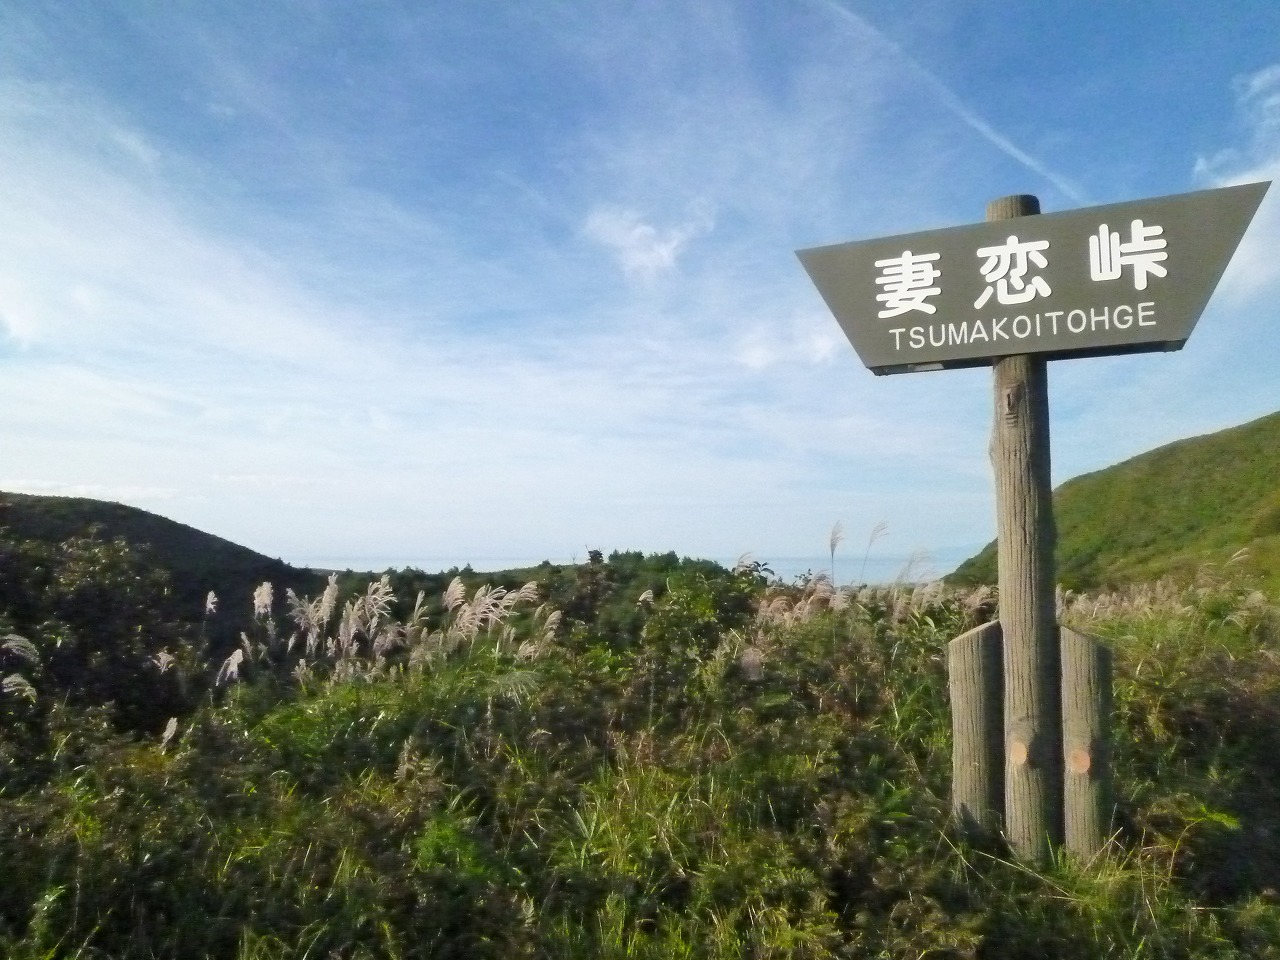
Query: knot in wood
point(1011, 401)
point(1079, 760)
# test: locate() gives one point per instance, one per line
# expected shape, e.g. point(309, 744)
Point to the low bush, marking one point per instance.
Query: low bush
point(749, 769)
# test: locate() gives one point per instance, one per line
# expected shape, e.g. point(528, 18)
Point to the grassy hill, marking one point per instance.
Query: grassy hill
point(196, 562)
point(1167, 512)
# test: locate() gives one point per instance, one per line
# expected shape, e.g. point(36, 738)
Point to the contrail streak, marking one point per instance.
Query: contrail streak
point(956, 105)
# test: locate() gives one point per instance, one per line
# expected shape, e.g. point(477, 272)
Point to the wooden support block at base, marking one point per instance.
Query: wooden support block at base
point(976, 679)
point(1086, 729)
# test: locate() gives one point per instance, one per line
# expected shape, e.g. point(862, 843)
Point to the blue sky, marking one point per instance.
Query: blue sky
point(391, 282)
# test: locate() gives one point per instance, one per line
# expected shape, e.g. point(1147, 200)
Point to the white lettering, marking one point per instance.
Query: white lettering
point(1024, 326)
point(1144, 252)
point(908, 282)
point(1005, 271)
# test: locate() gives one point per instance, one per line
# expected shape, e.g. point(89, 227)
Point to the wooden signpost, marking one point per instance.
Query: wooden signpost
point(1030, 700)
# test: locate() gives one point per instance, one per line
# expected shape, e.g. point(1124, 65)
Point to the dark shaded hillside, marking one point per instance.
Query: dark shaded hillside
point(1167, 512)
point(196, 562)
point(107, 606)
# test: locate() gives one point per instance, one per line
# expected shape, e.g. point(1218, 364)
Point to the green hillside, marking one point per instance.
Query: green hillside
point(196, 562)
point(1168, 512)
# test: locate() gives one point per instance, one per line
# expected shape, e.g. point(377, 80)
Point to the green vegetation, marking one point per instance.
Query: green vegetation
point(197, 562)
point(668, 760)
point(184, 564)
point(1167, 513)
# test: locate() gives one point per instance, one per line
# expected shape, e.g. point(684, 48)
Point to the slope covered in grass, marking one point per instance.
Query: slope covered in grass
point(1167, 512)
point(196, 562)
point(754, 771)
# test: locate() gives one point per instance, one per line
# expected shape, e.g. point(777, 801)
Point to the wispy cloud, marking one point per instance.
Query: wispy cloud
point(643, 250)
point(1259, 95)
point(1255, 268)
point(457, 310)
point(1136, 403)
point(179, 365)
point(808, 341)
point(217, 367)
point(953, 103)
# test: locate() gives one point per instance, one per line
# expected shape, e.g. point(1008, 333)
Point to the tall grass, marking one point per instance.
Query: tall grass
point(764, 774)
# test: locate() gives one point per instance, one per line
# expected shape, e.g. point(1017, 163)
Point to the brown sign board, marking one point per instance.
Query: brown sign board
point(1122, 278)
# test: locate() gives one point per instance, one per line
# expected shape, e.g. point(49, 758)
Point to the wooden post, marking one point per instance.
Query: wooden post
point(1025, 537)
point(975, 677)
point(1086, 736)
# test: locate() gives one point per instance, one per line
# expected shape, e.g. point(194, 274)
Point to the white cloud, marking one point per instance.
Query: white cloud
point(99, 256)
point(1258, 107)
point(1259, 95)
point(643, 250)
point(355, 370)
point(232, 364)
point(1255, 268)
point(811, 341)
point(1114, 408)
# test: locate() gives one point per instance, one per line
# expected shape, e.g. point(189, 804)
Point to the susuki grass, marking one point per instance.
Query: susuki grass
point(749, 769)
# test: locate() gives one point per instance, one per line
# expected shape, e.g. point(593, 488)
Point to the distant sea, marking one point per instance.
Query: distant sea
point(877, 568)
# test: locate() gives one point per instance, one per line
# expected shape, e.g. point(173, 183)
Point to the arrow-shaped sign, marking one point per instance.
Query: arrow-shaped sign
point(1122, 278)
